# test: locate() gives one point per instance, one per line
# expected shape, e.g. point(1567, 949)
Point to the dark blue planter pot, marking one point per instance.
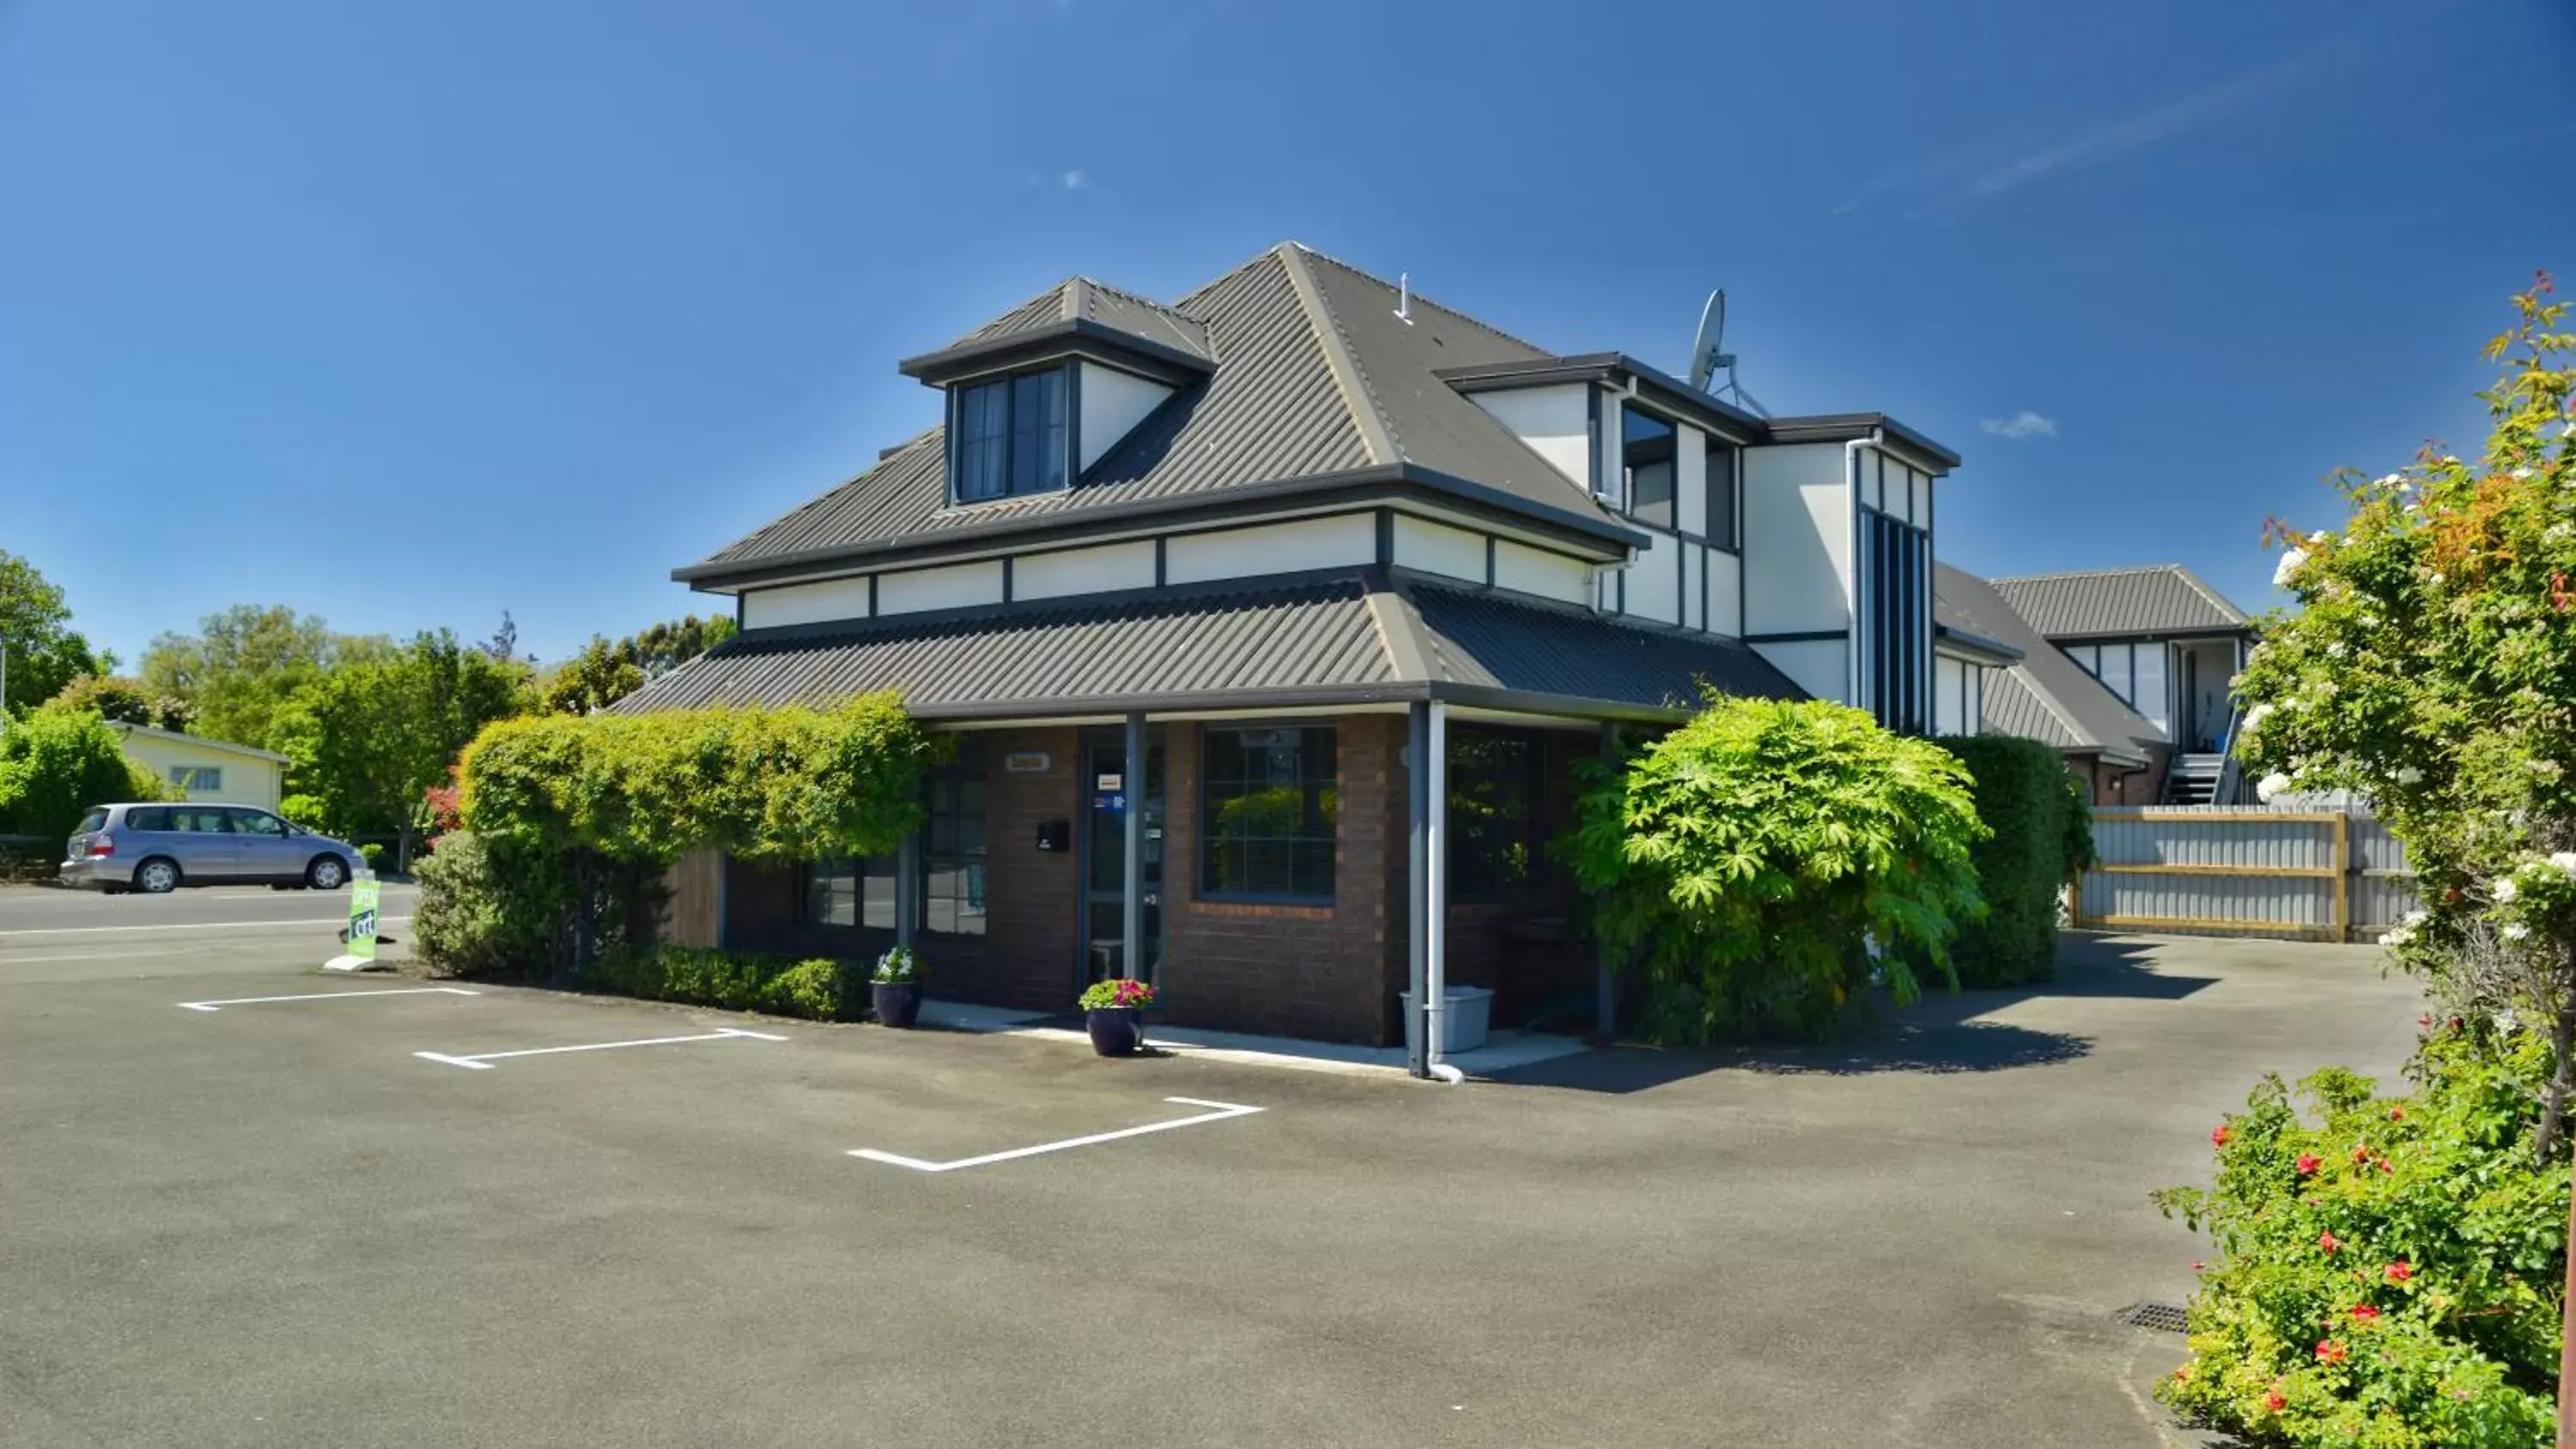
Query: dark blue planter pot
point(897, 1003)
point(1116, 1031)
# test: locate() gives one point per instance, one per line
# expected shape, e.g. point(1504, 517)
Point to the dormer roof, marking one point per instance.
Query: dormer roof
point(1075, 316)
point(2158, 599)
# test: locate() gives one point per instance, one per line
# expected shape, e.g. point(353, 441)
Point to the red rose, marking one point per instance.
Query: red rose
point(2309, 1162)
point(2274, 1403)
point(2396, 1114)
point(2326, 1240)
point(2364, 1312)
point(2361, 1152)
point(2218, 1136)
point(2399, 1272)
point(2199, 1267)
point(2387, 1166)
point(2329, 1351)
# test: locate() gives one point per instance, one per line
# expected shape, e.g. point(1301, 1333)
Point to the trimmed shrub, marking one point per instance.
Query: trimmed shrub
point(820, 989)
point(489, 906)
point(1745, 858)
point(55, 763)
point(2029, 804)
point(2387, 1269)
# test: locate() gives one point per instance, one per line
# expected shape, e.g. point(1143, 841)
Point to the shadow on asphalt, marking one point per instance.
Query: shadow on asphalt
point(1939, 1034)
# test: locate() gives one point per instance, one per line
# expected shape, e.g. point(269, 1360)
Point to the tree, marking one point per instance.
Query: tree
point(1747, 856)
point(239, 670)
point(41, 650)
point(504, 643)
point(125, 699)
point(2431, 667)
point(58, 762)
point(599, 676)
point(666, 646)
point(367, 738)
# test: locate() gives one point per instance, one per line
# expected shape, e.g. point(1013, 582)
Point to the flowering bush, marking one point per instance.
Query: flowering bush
point(900, 966)
point(2388, 1268)
point(1115, 992)
point(1747, 856)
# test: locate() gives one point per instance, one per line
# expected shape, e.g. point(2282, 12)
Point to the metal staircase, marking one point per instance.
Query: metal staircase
point(2198, 779)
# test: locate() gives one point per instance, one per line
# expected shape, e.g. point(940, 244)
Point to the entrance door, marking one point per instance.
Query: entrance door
point(1107, 796)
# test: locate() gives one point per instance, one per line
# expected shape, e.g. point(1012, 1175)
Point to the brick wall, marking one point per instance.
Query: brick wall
point(1323, 972)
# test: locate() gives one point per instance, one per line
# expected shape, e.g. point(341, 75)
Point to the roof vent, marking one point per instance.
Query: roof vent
point(1404, 297)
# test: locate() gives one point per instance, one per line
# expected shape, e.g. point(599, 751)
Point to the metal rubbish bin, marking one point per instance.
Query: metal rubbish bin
point(1467, 1014)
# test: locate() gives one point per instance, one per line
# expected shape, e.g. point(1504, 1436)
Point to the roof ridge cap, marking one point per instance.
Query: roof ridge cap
point(1074, 294)
point(2083, 573)
point(1377, 431)
point(1139, 298)
point(1476, 322)
point(2216, 600)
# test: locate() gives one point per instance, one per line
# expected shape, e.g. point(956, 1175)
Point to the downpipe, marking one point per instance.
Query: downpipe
point(1435, 991)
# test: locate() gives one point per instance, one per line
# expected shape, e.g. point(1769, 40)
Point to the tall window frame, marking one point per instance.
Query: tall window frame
point(1497, 845)
point(1011, 435)
point(1269, 812)
point(1650, 466)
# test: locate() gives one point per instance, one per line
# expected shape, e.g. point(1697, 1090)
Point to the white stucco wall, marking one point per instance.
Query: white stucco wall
point(1654, 580)
point(242, 777)
point(1818, 666)
point(813, 603)
point(1105, 569)
point(1690, 479)
point(1113, 403)
point(1436, 548)
point(1554, 421)
point(1271, 548)
point(1725, 597)
point(1539, 571)
point(951, 586)
point(1950, 696)
point(1797, 540)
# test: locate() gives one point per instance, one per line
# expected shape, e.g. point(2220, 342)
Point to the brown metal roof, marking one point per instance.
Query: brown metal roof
point(1080, 299)
point(2106, 603)
point(2046, 696)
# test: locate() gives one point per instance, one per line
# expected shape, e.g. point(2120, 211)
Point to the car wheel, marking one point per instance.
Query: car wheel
point(156, 877)
point(326, 873)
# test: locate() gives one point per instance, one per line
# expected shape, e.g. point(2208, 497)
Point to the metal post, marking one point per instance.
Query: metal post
point(1606, 986)
point(1417, 860)
point(907, 889)
point(1435, 914)
point(1132, 903)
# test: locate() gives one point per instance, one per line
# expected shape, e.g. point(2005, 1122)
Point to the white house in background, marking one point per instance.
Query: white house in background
point(203, 769)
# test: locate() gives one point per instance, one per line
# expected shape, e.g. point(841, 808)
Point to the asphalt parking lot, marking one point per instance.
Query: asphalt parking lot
point(276, 1223)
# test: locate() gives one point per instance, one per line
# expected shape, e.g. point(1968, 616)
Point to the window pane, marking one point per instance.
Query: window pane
point(1037, 431)
point(876, 890)
point(1721, 495)
point(256, 822)
point(2147, 685)
point(831, 894)
point(2115, 669)
point(982, 439)
point(1268, 807)
point(1647, 446)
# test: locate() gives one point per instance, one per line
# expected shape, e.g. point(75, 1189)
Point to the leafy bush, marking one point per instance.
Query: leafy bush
point(489, 906)
point(57, 762)
point(820, 989)
point(2024, 798)
point(374, 853)
point(2388, 1276)
point(1115, 992)
point(1748, 855)
point(900, 966)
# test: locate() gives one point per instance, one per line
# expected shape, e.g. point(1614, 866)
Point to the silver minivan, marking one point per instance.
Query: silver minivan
point(159, 847)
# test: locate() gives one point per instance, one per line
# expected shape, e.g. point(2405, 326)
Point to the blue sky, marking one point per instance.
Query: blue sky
point(406, 314)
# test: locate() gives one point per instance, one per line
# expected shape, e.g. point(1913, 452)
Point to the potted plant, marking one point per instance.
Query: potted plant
point(1114, 1011)
point(895, 989)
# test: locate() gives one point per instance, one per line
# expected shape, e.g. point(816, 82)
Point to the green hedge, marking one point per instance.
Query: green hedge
point(820, 989)
point(2041, 822)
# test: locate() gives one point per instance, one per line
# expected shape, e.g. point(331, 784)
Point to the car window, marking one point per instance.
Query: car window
point(148, 817)
point(256, 822)
point(90, 822)
point(201, 822)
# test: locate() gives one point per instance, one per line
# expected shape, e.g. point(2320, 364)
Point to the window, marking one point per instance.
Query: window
point(856, 893)
point(952, 862)
point(200, 822)
point(197, 777)
point(1895, 572)
point(257, 822)
point(1011, 436)
point(147, 817)
point(1493, 836)
point(1721, 496)
point(1646, 457)
point(1268, 802)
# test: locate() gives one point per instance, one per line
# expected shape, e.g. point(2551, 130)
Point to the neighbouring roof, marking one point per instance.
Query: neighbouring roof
point(2046, 696)
point(1329, 641)
point(1317, 385)
point(2110, 603)
point(196, 741)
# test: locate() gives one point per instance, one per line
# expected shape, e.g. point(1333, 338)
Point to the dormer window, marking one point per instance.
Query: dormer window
point(1646, 455)
point(1011, 436)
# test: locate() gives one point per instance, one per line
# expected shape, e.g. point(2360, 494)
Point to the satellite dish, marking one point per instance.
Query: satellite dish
point(1709, 354)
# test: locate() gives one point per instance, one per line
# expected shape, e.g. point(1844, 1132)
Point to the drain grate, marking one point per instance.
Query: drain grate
point(2162, 1317)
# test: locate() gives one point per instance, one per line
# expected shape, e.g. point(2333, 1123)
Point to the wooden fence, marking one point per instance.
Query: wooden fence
point(2303, 873)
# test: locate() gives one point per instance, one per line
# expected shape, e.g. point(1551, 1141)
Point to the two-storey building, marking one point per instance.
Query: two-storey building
point(1271, 623)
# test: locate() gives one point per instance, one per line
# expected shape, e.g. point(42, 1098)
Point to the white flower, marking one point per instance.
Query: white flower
point(2521, 473)
point(2257, 715)
point(2557, 531)
point(2434, 577)
point(2504, 890)
point(2320, 539)
point(2515, 931)
point(2289, 565)
point(2392, 480)
point(2415, 918)
point(2409, 776)
point(2388, 938)
point(2506, 1020)
point(2564, 862)
point(2270, 785)
point(2337, 649)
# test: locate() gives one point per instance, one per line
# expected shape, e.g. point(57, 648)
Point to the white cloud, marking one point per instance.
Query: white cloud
point(1075, 180)
point(2023, 424)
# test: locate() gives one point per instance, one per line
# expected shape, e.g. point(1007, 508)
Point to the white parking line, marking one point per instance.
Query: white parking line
point(204, 926)
point(482, 1061)
point(326, 996)
point(1222, 1111)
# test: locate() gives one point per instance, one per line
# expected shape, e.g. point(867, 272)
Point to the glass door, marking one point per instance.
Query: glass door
point(1107, 796)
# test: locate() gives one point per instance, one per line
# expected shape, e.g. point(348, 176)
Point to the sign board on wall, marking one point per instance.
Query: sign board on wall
point(1026, 762)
